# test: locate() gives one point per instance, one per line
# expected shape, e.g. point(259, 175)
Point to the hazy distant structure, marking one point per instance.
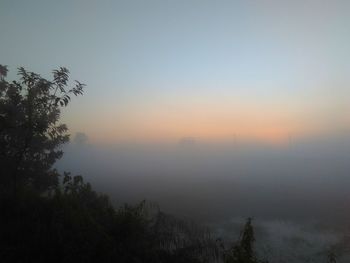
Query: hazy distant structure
point(290, 141)
point(187, 141)
point(80, 138)
point(235, 139)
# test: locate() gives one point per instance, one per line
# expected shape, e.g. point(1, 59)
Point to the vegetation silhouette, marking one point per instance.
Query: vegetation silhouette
point(47, 216)
point(51, 217)
point(243, 250)
point(30, 132)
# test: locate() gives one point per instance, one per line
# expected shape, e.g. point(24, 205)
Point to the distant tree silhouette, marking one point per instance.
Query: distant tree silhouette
point(3, 72)
point(331, 257)
point(80, 138)
point(243, 250)
point(30, 132)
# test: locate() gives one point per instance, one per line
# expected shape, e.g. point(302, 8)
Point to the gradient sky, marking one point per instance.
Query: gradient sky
point(259, 70)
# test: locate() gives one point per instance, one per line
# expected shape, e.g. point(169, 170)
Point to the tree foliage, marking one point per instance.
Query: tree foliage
point(30, 131)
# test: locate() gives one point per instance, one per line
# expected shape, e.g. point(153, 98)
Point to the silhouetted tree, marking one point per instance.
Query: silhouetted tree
point(80, 138)
point(30, 131)
point(3, 72)
point(331, 257)
point(243, 251)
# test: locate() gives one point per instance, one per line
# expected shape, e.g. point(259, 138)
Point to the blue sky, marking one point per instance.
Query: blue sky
point(184, 68)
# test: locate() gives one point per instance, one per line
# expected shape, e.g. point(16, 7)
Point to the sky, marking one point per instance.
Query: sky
point(213, 70)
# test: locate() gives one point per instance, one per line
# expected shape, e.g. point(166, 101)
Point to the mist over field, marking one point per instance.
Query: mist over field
point(297, 192)
point(305, 180)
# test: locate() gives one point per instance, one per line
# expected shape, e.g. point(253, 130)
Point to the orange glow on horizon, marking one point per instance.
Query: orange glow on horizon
point(209, 122)
point(210, 119)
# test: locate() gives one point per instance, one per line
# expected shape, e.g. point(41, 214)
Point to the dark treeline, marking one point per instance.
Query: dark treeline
point(51, 217)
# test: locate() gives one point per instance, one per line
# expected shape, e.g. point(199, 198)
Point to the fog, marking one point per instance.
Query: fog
point(302, 180)
point(297, 192)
